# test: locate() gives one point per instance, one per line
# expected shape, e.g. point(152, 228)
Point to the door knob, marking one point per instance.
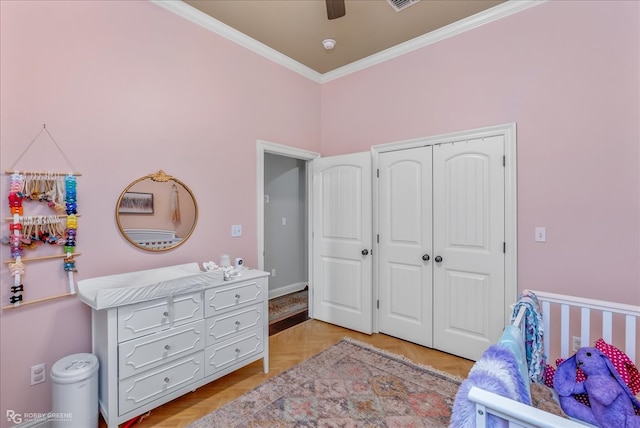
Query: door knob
point(438, 259)
point(425, 257)
point(365, 252)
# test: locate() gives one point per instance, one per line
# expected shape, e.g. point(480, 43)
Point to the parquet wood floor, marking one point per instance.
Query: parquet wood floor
point(288, 348)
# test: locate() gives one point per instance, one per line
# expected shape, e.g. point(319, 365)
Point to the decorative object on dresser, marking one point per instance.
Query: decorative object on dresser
point(349, 384)
point(156, 212)
point(161, 333)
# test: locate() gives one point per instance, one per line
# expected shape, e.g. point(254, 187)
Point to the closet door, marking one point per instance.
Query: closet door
point(405, 245)
point(469, 236)
point(342, 241)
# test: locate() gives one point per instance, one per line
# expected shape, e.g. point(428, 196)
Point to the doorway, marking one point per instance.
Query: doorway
point(283, 230)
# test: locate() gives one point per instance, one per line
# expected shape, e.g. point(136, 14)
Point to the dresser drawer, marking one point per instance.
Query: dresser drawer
point(156, 315)
point(141, 389)
point(224, 354)
point(187, 308)
point(224, 326)
point(138, 355)
point(234, 295)
point(143, 318)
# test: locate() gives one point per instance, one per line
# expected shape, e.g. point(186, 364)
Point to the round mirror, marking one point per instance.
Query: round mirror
point(157, 212)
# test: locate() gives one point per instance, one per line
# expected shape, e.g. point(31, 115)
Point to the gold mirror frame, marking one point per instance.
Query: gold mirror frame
point(163, 201)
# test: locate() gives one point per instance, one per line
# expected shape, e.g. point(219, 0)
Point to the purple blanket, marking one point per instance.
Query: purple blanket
point(496, 371)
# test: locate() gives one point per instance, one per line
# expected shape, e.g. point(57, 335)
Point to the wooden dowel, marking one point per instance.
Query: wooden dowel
point(57, 256)
point(43, 215)
point(76, 174)
point(45, 299)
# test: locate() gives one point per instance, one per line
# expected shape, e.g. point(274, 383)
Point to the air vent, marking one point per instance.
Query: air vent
point(398, 5)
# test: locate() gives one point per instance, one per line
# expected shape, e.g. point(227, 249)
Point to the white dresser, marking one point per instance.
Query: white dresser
point(161, 333)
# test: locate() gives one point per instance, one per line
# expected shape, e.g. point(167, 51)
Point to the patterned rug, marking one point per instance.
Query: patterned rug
point(350, 384)
point(287, 306)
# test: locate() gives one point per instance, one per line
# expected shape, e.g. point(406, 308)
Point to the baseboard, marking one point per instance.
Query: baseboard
point(287, 289)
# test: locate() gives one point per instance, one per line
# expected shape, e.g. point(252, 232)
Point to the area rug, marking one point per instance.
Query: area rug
point(351, 384)
point(287, 306)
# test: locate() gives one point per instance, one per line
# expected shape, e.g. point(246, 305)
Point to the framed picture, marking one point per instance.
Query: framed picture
point(136, 203)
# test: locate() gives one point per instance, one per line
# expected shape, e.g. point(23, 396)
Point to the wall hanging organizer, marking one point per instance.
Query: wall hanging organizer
point(28, 233)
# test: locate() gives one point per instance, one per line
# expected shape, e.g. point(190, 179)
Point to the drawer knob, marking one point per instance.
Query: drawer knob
point(237, 296)
point(237, 323)
point(166, 380)
point(237, 350)
point(167, 347)
point(165, 314)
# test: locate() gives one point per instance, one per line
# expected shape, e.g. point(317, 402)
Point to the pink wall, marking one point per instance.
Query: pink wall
point(126, 89)
point(567, 72)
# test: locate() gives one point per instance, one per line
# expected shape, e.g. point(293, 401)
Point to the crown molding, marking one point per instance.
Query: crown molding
point(192, 14)
point(495, 13)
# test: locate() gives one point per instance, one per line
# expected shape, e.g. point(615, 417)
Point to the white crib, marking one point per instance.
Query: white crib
point(154, 239)
point(618, 325)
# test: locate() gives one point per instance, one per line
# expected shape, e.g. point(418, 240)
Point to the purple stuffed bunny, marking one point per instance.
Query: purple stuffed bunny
point(612, 403)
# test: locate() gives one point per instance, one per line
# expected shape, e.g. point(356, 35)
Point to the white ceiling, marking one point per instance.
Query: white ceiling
point(296, 28)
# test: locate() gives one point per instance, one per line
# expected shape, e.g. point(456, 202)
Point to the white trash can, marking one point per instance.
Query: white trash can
point(75, 391)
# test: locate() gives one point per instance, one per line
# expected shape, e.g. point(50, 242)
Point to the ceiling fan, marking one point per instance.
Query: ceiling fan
point(335, 9)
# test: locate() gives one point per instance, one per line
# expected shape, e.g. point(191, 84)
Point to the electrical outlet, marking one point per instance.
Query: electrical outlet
point(273, 273)
point(577, 343)
point(38, 373)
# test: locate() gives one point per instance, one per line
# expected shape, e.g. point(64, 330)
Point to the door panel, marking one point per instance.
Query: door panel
point(342, 286)
point(405, 236)
point(469, 236)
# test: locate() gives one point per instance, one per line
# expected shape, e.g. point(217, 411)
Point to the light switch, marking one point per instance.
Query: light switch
point(284, 221)
point(541, 234)
point(236, 230)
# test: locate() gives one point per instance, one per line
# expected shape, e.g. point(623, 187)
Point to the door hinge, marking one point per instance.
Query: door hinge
point(377, 304)
point(504, 160)
point(378, 238)
point(378, 173)
point(504, 247)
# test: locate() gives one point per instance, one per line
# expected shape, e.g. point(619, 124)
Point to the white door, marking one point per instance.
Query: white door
point(405, 257)
point(469, 237)
point(342, 241)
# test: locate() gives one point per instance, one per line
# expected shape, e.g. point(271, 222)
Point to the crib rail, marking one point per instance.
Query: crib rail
point(156, 244)
point(519, 321)
point(155, 239)
point(517, 415)
point(608, 310)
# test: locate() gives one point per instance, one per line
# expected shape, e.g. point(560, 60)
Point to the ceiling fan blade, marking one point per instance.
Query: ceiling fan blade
point(335, 9)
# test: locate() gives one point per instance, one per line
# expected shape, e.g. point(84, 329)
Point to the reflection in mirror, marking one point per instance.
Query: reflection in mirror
point(157, 212)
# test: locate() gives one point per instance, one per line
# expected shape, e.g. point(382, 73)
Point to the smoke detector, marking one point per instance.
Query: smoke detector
point(328, 44)
point(399, 5)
